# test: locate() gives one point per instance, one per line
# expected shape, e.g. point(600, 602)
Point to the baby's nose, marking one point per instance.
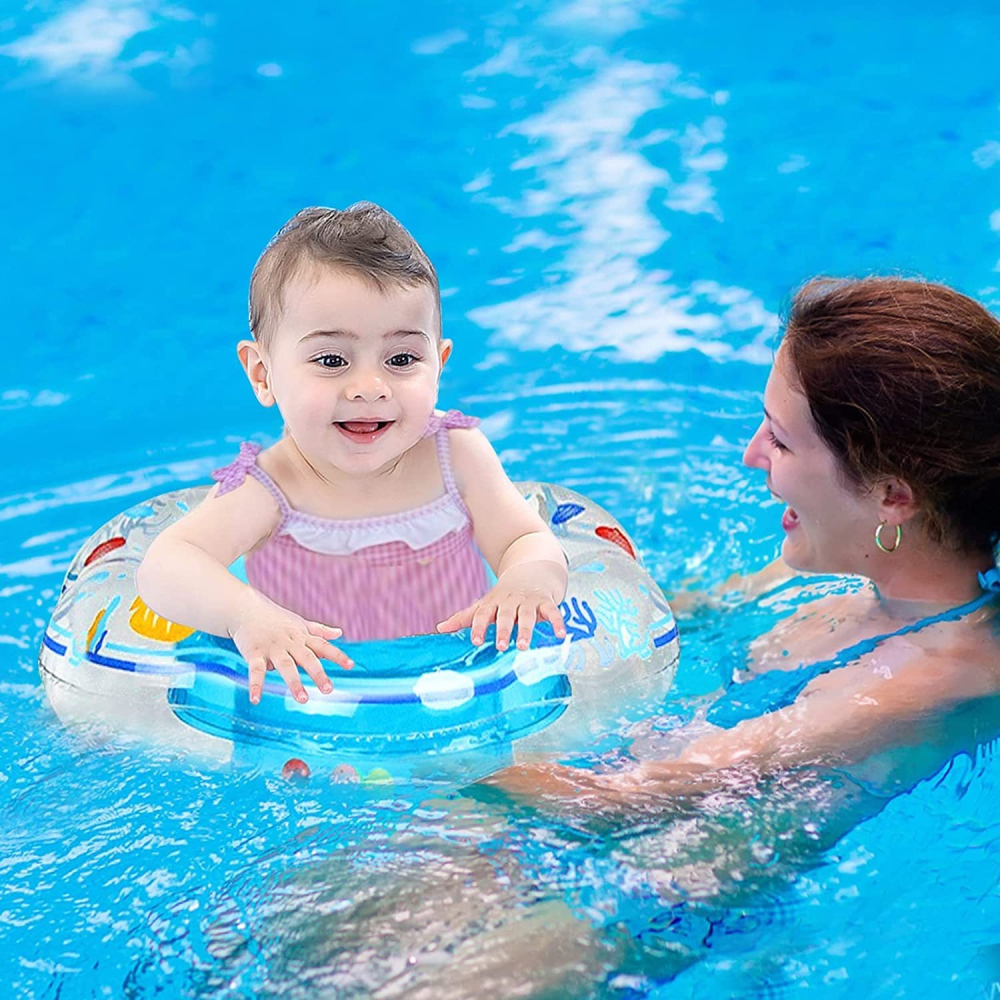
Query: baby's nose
point(368, 386)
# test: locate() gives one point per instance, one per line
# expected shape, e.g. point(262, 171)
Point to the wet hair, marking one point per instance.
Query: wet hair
point(363, 240)
point(903, 380)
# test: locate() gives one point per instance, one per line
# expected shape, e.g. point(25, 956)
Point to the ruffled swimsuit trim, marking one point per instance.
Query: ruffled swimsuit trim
point(418, 527)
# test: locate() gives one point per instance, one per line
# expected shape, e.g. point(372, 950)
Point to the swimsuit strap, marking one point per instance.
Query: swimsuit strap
point(448, 419)
point(232, 475)
point(439, 425)
point(776, 689)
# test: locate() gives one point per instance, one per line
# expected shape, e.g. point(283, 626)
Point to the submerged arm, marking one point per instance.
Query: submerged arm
point(831, 726)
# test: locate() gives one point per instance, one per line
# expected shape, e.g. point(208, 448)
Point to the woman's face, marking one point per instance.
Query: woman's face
point(829, 524)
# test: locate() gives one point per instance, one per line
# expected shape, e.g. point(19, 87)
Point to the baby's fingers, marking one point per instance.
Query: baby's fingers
point(551, 613)
point(324, 631)
point(485, 614)
point(460, 619)
point(506, 616)
point(258, 671)
point(309, 662)
point(526, 618)
point(328, 651)
point(285, 666)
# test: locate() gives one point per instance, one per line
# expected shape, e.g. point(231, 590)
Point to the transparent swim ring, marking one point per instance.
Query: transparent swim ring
point(424, 707)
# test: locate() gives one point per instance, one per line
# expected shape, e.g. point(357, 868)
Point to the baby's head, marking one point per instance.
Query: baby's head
point(345, 314)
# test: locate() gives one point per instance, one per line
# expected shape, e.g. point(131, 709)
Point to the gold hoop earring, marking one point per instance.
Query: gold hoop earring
point(878, 538)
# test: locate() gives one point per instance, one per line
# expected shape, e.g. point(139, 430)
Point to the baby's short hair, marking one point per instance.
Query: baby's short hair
point(363, 240)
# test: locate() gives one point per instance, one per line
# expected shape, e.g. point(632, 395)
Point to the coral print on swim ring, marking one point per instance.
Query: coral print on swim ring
point(376, 517)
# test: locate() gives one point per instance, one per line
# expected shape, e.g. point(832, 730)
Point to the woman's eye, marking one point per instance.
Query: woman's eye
point(331, 361)
point(777, 444)
point(402, 360)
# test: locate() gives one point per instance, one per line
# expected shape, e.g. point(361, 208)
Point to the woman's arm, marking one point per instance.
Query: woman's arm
point(830, 726)
point(525, 556)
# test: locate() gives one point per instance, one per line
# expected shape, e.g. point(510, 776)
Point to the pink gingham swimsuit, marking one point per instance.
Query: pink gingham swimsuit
point(373, 577)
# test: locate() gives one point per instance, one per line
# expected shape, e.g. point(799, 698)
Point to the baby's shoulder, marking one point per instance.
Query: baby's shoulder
point(236, 515)
point(239, 480)
point(250, 497)
point(472, 455)
point(467, 439)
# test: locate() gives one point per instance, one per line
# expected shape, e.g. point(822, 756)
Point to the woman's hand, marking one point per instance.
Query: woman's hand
point(642, 789)
point(576, 791)
point(271, 637)
point(554, 782)
point(522, 595)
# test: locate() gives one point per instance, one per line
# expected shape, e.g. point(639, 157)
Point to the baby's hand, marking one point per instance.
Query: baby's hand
point(272, 637)
point(516, 597)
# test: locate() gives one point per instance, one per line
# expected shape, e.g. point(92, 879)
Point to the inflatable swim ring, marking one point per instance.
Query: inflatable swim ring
point(421, 707)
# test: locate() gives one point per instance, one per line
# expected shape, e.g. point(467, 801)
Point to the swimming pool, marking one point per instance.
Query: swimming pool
point(618, 197)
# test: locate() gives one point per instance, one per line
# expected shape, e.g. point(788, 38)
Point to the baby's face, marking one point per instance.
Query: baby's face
point(354, 370)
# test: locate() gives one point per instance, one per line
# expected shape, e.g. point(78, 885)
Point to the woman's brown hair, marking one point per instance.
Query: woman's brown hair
point(903, 380)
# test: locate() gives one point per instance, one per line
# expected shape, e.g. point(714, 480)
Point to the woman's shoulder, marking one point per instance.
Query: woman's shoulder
point(811, 628)
point(965, 655)
point(925, 672)
point(932, 662)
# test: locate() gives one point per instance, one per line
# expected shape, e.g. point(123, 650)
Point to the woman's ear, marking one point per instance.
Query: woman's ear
point(898, 501)
point(255, 365)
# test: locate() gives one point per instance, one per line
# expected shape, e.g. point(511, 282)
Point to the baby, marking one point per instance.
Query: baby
point(371, 516)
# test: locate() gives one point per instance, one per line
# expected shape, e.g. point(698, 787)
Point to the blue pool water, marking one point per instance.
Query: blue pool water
point(619, 197)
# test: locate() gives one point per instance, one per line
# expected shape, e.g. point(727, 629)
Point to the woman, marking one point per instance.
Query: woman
point(881, 434)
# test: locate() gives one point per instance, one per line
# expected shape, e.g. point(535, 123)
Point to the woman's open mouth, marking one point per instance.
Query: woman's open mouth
point(789, 520)
point(363, 431)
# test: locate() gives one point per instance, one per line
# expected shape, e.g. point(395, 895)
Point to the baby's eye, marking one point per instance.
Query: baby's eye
point(330, 361)
point(403, 360)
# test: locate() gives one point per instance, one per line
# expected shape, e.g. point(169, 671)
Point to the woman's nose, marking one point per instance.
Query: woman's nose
point(756, 455)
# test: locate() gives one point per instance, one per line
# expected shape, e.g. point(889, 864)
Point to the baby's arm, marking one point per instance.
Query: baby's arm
point(529, 563)
point(184, 577)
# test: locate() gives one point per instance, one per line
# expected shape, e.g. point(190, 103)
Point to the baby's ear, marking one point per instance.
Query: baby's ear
point(444, 351)
point(255, 366)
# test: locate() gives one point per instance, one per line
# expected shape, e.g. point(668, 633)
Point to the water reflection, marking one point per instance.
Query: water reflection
point(587, 176)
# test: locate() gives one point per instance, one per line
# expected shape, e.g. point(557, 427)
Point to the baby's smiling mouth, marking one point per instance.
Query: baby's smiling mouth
point(362, 431)
point(363, 426)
